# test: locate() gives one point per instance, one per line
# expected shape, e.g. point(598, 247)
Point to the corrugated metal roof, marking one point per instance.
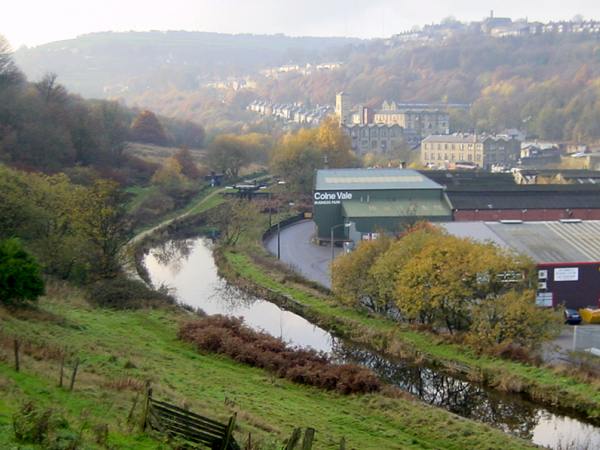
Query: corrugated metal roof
point(372, 179)
point(545, 242)
point(396, 208)
point(525, 199)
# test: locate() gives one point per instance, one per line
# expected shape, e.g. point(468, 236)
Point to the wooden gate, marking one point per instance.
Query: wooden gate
point(180, 423)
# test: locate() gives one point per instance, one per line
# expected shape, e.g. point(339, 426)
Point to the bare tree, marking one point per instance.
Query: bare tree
point(9, 72)
point(50, 90)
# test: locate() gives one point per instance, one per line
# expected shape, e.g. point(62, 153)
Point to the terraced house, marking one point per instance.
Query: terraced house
point(482, 150)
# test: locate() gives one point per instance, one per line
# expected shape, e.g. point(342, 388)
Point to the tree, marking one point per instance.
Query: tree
point(147, 128)
point(188, 166)
point(350, 282)
point(50, 90)
point(171, 181)
point(9, 72)
point(20, 278)
point(231, 219)
point(386, 267)
point(335, 145)
point(298, 155)
point(296, 159)
point(100, 218)
point(513, 319)
point(228, 154)
point(450, 275)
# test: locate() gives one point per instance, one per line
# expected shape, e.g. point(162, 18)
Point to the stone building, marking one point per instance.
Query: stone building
point(424, 120)
point(482, 150)
point(378, 138)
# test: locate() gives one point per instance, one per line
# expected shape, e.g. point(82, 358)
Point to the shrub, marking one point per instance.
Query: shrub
point(20, 274)
point(123, 293)
point(32, 424)
point(229, 336)
point(35, 425)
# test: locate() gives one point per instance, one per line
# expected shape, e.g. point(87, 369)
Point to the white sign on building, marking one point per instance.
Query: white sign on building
point(566, 274)
point(544, 299)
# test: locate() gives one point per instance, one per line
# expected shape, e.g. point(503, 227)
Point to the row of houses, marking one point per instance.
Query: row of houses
point(306, 69)
point(291, 112)
point(497, 27)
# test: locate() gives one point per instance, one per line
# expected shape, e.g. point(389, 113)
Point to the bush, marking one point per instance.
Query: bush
point(122, 293)
point(20, 274)
point(229, 336)
point(35, 425)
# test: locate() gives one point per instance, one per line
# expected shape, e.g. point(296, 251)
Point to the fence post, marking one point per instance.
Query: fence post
point(294, 439)
point(144, 420)
point(343, 443)
point(229, 432)
point(17, 345)
point(74, 374)
point(309, 436)
point(135, 401)
point(62, 370)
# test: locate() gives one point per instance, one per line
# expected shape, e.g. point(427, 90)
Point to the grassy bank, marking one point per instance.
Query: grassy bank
point(120, 350)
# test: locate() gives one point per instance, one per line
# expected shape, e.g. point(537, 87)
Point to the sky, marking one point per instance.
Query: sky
point(27, 22)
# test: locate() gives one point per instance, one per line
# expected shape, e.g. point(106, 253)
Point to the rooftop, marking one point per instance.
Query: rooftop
point(459, 138)
point(396, 208)
point(544, 242)
point(372, 179)
point(525, 197)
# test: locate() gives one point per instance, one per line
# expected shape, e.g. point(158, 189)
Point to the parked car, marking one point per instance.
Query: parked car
point(572, 316)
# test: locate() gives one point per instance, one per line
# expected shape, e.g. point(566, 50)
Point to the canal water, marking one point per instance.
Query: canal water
point(188, 268)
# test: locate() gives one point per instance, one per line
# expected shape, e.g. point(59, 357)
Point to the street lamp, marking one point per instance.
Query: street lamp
point(346, 225)
point(281, 182)
point(279, 230)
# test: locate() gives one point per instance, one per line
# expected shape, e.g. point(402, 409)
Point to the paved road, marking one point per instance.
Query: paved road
point(298, 251)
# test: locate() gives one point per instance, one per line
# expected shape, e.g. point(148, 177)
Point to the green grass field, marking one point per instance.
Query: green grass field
point(121, 350)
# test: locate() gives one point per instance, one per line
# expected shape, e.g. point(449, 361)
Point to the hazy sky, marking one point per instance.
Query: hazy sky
point(26, 22)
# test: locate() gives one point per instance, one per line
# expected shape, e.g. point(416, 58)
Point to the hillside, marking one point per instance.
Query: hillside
point(129, 63)
point(120, 350)
point(545, 84)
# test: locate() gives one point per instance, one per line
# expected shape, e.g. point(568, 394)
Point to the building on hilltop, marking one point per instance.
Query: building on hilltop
point(483, 150)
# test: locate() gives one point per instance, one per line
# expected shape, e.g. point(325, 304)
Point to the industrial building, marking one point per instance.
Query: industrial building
point(355, 204)
point(496, 196)
point(567, 254)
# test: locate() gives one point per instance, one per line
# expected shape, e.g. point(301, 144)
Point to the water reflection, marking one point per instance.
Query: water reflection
point(461, 397)
point(188, 266)
point(173, 253)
